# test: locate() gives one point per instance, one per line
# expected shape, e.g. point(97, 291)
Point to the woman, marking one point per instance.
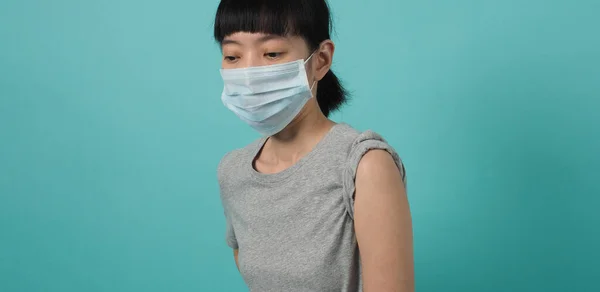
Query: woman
point(313, 205)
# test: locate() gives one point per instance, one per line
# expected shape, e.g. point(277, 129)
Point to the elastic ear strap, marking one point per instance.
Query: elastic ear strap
point(314, 82)
point(311, 88)
point(310, 56)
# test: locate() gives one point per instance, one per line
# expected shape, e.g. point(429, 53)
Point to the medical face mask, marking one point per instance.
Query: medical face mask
point(267, 98)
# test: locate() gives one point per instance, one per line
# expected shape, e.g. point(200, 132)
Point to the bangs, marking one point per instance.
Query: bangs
point(276, 17)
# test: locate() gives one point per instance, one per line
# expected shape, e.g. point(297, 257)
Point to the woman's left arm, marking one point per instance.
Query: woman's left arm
point(383, 225)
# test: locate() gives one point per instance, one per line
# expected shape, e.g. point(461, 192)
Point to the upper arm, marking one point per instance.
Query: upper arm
point(383, 224)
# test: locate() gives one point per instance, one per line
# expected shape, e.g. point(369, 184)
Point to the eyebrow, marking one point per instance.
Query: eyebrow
point(262, 39)
point(228, 42)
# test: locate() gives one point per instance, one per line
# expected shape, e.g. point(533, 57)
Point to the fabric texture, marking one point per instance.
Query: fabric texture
point(294, 229)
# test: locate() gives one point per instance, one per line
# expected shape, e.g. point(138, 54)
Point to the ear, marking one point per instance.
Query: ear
point(323, 59)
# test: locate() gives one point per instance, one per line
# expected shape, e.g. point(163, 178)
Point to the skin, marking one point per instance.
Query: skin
point(382, 217)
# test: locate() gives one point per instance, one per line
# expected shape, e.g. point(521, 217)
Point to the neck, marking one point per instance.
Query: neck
point(300, 136)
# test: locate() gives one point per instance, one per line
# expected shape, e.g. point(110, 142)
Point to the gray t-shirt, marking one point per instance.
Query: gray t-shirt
point(294, 229)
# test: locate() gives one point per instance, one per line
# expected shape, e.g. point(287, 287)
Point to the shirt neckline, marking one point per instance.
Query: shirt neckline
point(286, 173)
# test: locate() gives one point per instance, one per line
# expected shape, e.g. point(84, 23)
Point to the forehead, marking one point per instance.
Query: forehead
point(248, 38)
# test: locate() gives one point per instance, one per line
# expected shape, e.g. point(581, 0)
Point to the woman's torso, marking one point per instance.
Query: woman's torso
point(294, 229)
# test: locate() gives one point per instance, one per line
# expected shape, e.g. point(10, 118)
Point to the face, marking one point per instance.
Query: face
point(242, 50)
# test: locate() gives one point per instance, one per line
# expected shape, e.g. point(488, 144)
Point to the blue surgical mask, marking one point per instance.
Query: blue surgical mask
point(267, 98)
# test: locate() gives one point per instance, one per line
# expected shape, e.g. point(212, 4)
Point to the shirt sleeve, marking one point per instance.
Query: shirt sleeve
point(230, 238)
point(365, 142)
point(230, 234)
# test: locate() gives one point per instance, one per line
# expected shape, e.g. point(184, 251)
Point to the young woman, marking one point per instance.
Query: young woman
point(313, 205)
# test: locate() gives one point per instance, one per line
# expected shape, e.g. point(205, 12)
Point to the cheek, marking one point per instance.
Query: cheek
point(310, 73)
point(311, 79)
point(227, 65)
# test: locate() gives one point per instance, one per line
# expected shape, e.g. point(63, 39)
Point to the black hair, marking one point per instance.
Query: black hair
point(309, 19)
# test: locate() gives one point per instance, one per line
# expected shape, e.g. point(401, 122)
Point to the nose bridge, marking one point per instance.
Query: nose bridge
point(251, 58)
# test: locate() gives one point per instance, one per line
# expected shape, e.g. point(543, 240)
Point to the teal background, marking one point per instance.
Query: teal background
point(111, 128)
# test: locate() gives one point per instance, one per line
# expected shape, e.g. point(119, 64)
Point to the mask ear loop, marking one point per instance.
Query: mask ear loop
point(314, 82)
point(311, 88)
point(305, 61)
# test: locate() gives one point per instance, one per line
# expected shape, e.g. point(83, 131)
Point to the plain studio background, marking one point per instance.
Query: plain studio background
point(111, 128)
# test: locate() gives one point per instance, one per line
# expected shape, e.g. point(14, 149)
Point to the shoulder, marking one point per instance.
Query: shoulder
point(369, 159)
point(370, 153)
point(377, 160)
point(235, 159)
point(379, 170)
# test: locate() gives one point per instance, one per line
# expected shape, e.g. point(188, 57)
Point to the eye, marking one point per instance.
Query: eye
point(273, 55)
point(230, 58)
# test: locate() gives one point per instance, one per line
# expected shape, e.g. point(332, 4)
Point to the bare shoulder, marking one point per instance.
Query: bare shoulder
point(378, 165)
